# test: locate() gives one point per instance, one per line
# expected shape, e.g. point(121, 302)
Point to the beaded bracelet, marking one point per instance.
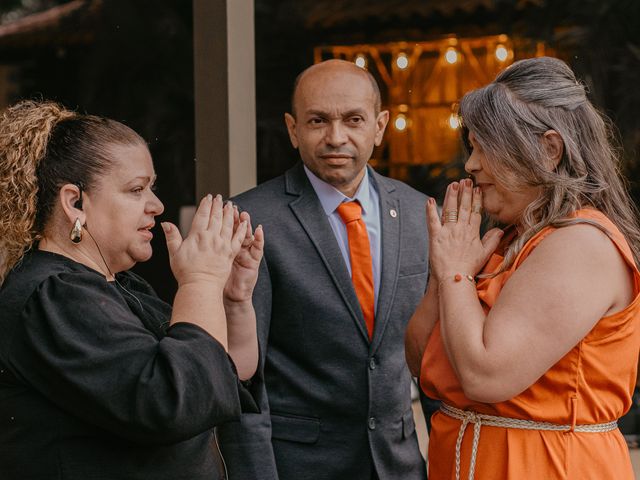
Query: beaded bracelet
point(458, 277)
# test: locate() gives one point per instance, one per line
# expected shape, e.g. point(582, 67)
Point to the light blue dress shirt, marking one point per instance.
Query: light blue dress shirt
point(330, 198)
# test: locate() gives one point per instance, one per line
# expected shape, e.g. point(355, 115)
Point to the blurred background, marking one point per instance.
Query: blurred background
point(139, 61)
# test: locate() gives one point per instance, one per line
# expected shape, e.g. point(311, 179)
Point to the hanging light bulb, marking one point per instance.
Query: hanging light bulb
point(400, 122)
point(501, 53)
point(451, 55)
point(402, 61)
point(454, 121)
point(361, 60)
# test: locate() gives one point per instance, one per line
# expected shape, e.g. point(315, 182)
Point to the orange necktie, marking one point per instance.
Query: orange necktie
point(360, 255)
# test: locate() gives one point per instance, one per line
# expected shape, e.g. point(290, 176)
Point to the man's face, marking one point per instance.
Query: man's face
point(336, 126)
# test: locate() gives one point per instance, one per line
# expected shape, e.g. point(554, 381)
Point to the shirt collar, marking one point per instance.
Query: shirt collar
point(330, 197)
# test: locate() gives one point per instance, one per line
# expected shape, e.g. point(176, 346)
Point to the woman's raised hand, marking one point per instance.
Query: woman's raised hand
point(206, 254)
point(244, 271)
point(454, 240)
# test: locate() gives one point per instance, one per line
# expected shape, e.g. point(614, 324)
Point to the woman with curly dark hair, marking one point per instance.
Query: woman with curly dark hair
point(99, 378)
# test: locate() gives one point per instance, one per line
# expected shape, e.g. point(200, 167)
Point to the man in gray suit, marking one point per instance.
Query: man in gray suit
point(336, 394)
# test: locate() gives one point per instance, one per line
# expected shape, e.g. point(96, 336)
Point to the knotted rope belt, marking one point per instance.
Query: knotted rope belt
point(479, 419)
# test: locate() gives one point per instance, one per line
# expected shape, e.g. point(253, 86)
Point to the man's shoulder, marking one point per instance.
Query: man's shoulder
point(267, 192)
point(401, 188)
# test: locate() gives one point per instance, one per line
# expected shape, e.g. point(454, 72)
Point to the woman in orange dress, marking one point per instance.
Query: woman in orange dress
point(530, 335)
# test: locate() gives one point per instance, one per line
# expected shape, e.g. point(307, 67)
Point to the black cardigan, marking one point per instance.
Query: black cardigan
point(95, 385)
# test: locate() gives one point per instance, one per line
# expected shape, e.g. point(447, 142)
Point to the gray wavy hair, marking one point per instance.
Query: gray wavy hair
point(509, 118)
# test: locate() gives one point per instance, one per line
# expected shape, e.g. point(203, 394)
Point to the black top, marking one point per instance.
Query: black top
point(94, 384)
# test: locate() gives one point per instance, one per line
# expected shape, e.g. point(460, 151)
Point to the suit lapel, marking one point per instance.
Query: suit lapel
point(308, 210)
point(390, 222)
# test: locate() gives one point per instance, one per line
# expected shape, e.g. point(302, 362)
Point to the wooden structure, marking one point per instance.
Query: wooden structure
point(421, 84)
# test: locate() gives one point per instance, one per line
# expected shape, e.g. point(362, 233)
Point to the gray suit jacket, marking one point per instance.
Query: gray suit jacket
point(335, 405)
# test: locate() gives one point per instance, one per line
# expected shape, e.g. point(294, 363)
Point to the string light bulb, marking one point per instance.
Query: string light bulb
point(361, 61)
point(454, 121)
point(451, 55)
point(400, 123)
point(502, 53)
point(402, 61)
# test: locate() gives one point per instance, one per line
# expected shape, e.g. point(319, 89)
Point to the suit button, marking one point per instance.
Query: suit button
point(372, 423)
point(372, 363)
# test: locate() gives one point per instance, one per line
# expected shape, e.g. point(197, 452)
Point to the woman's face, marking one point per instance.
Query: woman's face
point(503, 204)
point(121, 208)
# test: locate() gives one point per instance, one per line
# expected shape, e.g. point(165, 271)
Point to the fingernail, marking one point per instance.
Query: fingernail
point(165, 227)
point(455, 186)
point(476, 190)
point(500, 233)
point(218, 197)
point(209, 197)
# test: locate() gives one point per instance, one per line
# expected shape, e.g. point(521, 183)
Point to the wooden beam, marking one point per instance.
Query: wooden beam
point(225, 104)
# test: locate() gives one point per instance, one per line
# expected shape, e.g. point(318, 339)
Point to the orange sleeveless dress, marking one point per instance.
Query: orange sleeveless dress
point(591, 384)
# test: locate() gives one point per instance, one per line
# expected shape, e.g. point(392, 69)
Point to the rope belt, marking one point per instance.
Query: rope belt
point(479, 419)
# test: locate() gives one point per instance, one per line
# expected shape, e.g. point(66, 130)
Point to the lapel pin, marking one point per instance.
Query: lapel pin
point(393, 213)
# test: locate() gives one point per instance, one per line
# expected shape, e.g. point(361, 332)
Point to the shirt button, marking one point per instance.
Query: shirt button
point(372, 363)
point(372, 423)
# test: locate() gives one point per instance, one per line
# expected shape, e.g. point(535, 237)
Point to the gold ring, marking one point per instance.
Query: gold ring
point(451, 216)
point(476, 209)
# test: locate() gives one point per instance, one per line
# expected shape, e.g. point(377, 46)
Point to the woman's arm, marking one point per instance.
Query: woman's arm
point(90, 355)
point(243, 341)
point(238, 305)
point(201, 263)
point(420, 327)
point(571, 280)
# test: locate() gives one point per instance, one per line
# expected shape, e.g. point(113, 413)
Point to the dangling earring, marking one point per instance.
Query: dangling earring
point(76, 232)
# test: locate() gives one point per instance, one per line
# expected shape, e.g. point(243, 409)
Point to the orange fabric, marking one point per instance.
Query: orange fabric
point(593, 383)
point(360, 255)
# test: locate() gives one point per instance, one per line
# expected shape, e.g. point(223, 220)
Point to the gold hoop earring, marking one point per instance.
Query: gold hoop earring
point(76, 232)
